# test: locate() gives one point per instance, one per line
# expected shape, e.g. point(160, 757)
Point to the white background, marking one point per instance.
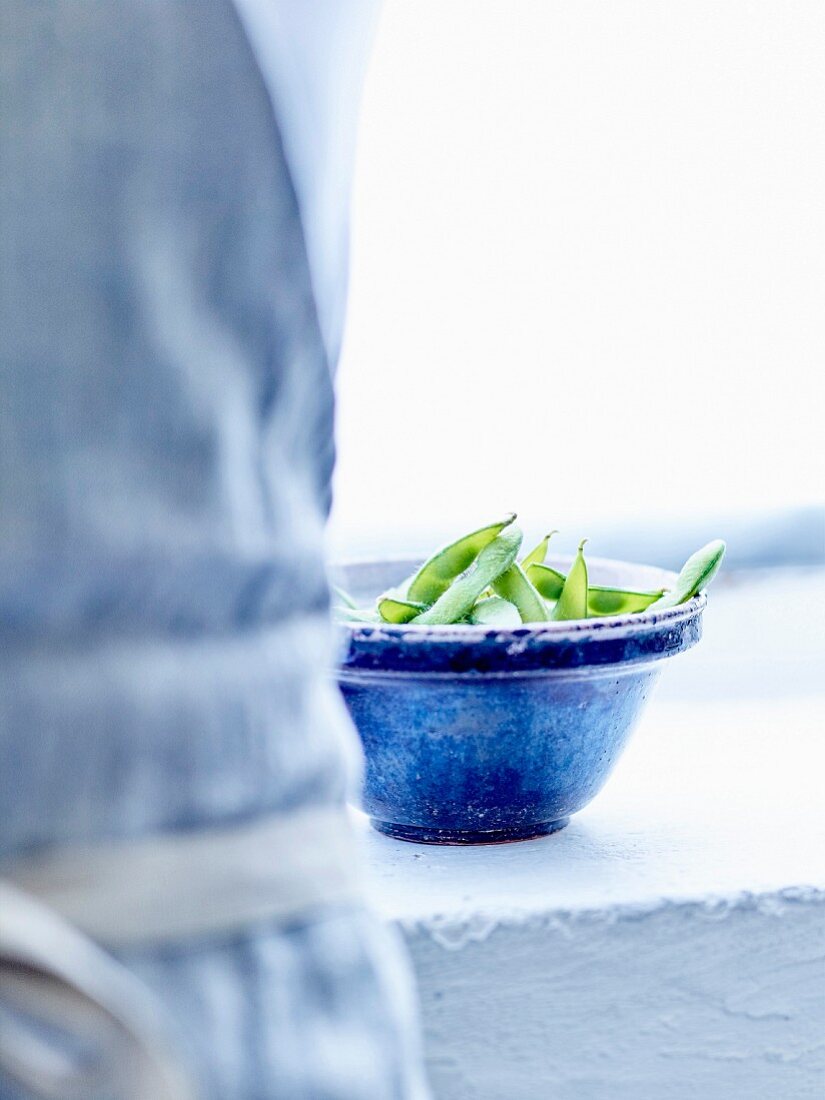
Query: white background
point(588, 267)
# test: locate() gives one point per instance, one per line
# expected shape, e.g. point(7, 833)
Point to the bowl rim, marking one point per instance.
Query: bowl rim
point(573, 629)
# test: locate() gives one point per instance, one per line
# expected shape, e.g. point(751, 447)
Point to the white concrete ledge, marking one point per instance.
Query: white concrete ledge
point(670, 943)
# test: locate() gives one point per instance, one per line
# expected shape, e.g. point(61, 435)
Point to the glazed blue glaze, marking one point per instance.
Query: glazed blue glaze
point(477, 735)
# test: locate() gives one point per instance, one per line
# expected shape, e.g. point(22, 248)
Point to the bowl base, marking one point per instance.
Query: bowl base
point(418, 834)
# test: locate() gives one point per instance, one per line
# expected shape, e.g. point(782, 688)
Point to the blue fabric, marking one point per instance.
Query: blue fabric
point(165, 459)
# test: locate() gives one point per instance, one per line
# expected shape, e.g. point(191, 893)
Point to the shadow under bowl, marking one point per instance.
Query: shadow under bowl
point(477, 735)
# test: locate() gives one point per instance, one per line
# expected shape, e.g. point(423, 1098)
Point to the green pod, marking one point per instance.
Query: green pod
point(514, 586)
point(344, 599)
point(696, 574)
point(572, 603)
point(354, 615)
point(439, 571)
point(395, 610)
point(457, 602)
point(547, 581)
point(602, 600)
point(494, 611)
point(538, 553)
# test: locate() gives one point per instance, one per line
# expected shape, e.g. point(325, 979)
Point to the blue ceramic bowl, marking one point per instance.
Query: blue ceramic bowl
point(476, 735)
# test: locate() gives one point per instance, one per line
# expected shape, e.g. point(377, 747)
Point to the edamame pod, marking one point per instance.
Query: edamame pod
point(572, 603)
point(439, 571)
point(696, 574)
point(344, 598)
point(536, 556)
point(353, 615)
point(602, 600)
point(457, 602)
point(494, 611)
point(514, 586)
point(538, 553)
point(547, 581)
point(392, 609)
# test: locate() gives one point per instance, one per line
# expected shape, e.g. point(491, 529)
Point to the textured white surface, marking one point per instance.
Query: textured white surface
point(681, 1003)
point(671, 941)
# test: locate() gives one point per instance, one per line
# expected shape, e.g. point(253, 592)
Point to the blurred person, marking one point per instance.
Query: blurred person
point(173, 200)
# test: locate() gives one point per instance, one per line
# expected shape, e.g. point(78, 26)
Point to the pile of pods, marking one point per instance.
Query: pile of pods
point(480, 579)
